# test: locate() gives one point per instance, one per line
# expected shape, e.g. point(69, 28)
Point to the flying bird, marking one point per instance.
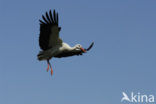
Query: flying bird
point(51, 44)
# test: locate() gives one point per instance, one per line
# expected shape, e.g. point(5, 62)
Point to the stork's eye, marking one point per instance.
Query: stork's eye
point(78, 46)
point(59, 29)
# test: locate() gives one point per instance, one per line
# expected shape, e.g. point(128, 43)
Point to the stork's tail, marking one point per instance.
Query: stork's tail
point(42, 56)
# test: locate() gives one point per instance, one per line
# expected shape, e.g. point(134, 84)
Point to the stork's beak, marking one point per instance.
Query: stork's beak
point(83, 49)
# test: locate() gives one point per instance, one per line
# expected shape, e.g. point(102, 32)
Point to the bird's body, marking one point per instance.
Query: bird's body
point(50, 42)
point(57, 51)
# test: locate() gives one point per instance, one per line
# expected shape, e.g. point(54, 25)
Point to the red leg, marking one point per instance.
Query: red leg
point(48, 67)
point(51, 71)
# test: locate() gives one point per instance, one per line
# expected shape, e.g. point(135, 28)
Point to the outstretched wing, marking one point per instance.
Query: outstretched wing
point(70, 53)
point(49, 31)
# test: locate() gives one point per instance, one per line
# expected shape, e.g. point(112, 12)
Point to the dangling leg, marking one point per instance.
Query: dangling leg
point(50, 67)
point(51, 70)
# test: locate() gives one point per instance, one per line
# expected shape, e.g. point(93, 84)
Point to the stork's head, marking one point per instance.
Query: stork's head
point(79, 47)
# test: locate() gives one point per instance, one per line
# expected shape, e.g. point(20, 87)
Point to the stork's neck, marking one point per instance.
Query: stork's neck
point(68, 47)
point(73, 49)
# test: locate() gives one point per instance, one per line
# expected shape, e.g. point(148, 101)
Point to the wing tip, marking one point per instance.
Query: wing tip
point(50, 18)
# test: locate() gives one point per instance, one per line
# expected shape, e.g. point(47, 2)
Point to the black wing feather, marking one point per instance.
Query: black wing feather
point(57, 18)
point(54, 16)
point(45, 19)
point(45, 30)
point(42, 22)
point(67, 54)
point(51, 16)
point(48, 18)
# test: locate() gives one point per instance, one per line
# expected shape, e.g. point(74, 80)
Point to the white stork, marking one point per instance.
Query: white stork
point(50, 42)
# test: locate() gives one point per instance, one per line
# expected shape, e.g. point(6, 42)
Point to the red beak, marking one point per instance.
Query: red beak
point(83, 49)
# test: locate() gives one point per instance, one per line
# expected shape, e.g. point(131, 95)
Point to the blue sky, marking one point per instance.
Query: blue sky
point(122, 59)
